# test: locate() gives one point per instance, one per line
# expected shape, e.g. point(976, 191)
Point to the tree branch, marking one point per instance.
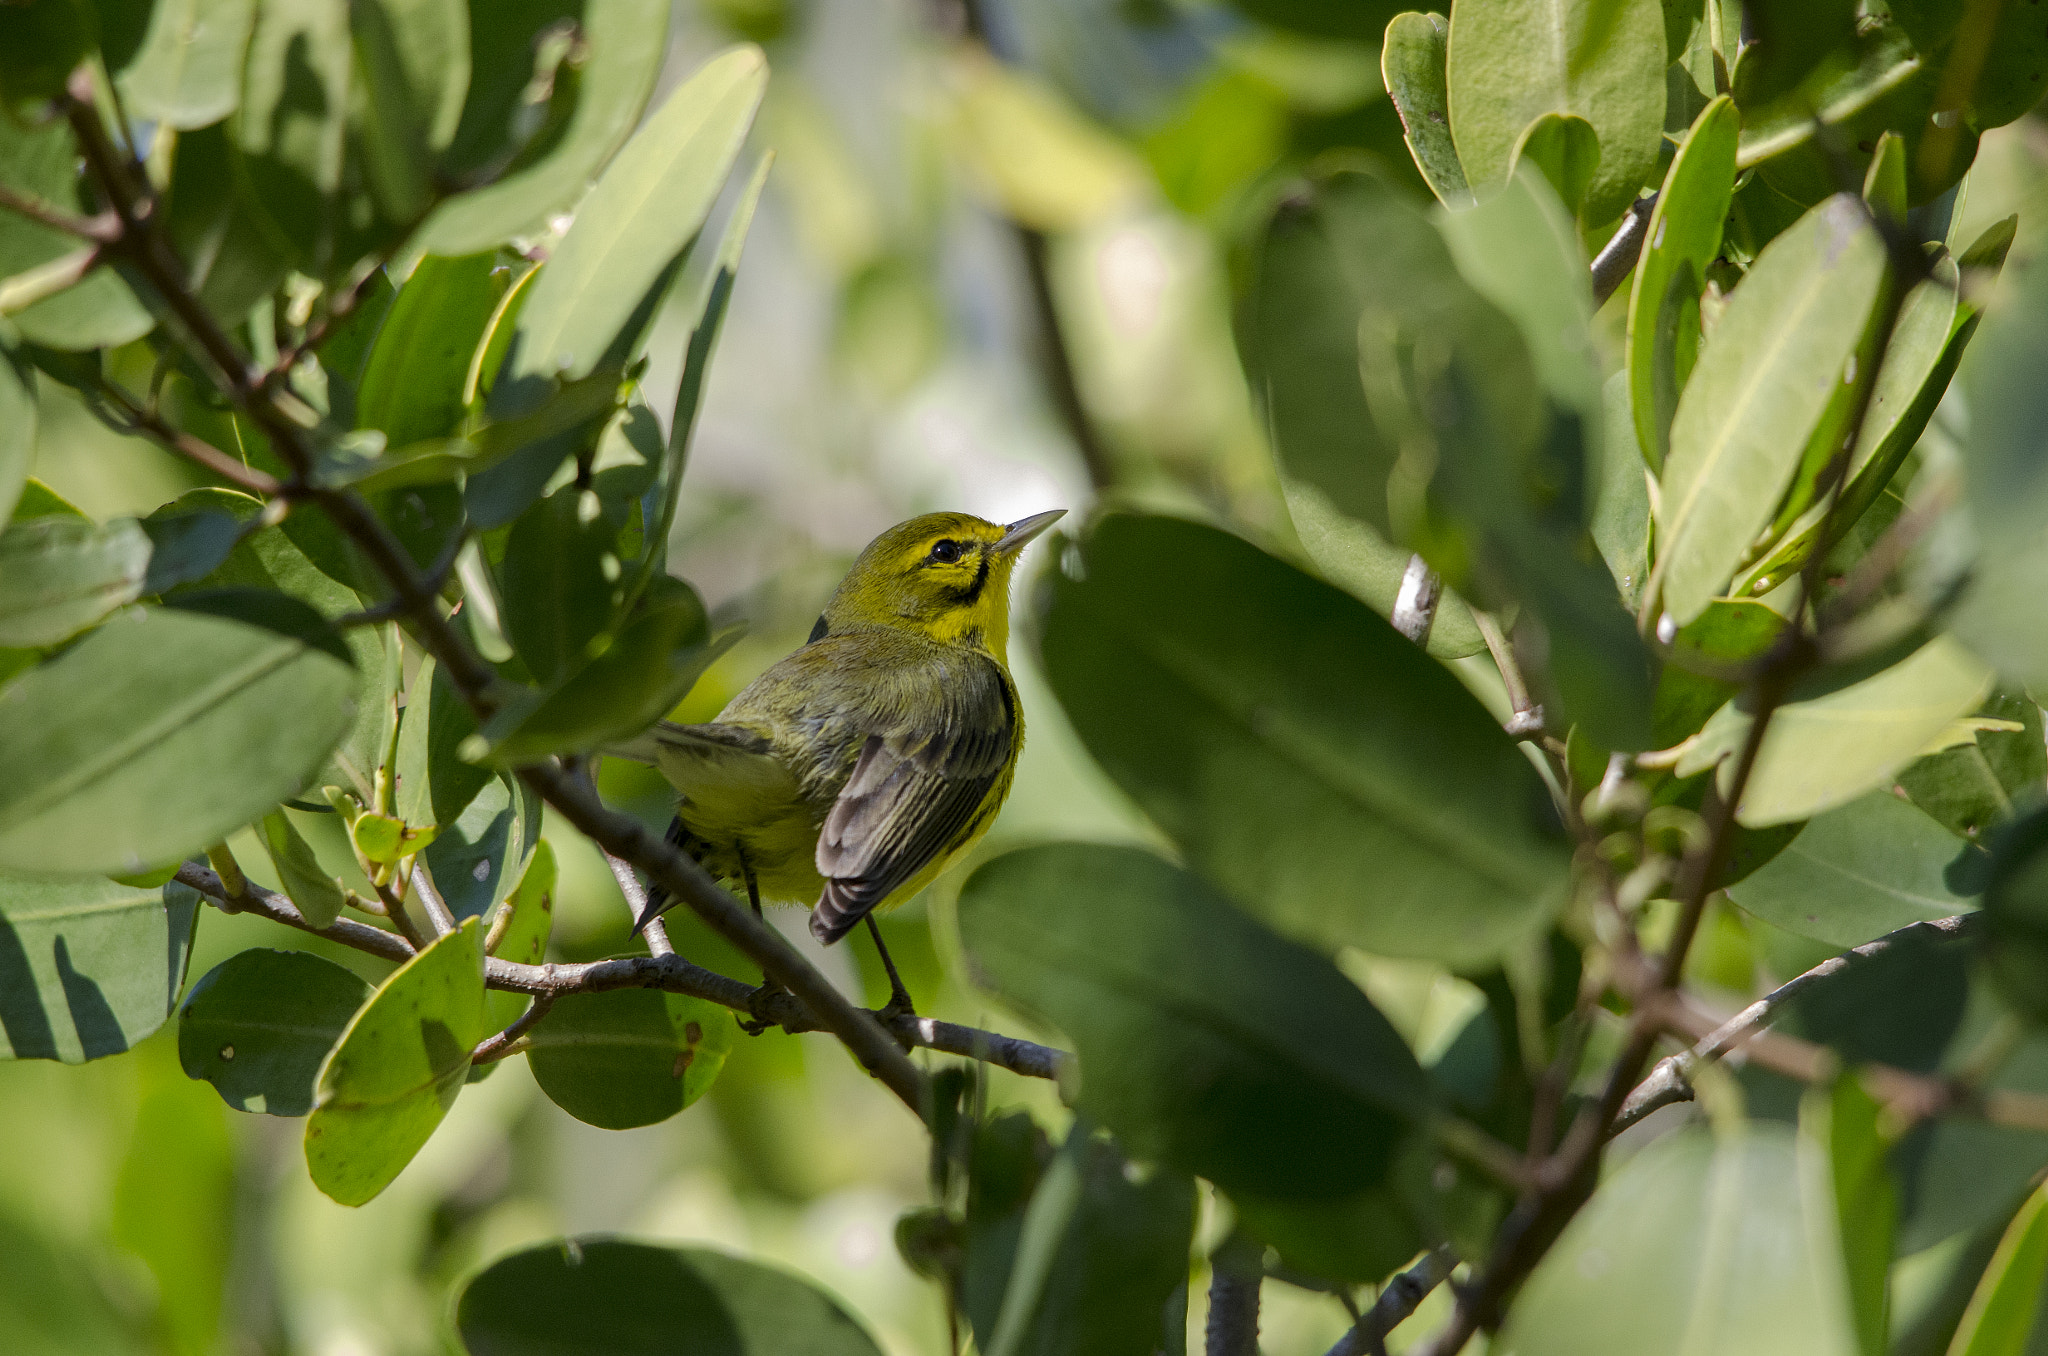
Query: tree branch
point(1415, 605)
point(1236, 1272)
point(1402, 1296)
point(1671, 1080)
point(670, 973)
point(1617, 258)
point(509, 1041)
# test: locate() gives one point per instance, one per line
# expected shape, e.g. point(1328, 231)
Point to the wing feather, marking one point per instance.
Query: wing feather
point(913, 791)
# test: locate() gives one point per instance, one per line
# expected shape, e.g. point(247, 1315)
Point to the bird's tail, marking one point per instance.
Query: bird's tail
point(659, 900)
point(838, 912)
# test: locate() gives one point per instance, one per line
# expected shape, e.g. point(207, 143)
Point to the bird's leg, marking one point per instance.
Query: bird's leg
point(754, 1026)
point(899, 997)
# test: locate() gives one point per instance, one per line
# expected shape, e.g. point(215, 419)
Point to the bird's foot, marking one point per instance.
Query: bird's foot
point(759, 999)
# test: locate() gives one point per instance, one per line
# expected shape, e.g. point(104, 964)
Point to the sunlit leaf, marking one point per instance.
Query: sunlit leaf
point(2000, 1318)
point(164, 730)
point(413, 383)
point(188, 72)
point(88, 967)
point(399, 1065)
point(1412, 65)
point(259, 1025)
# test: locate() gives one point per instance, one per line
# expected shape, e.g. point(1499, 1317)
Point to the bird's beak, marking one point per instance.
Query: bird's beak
point(1018, 535)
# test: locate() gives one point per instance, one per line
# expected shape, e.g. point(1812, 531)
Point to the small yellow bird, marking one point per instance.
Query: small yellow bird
point(853, 772)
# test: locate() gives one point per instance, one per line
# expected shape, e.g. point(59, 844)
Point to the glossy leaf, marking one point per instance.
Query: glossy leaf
point(413, 383)
point(639, 1299)
point(162, 731)
point(1825, 749)
point(18, 411)
point(1757, 396)
point(412, 57)
point(2000, 1318)
point(1304, 755)
point(1204, 1040)
point(318, 895)
point(60, 575)
point(594, 81)
point(88, 967)
point(1862, 870)
point(591, 306)
point(397, 1069)
point(631, 1056)
point(1664, 1258)
point(1087, 1264)
point(259, 1025)
point(1565, 151)
point(1412, 67)
point(1511, 63)
point(478, 857)
point(1683, 238)
point(188, 72)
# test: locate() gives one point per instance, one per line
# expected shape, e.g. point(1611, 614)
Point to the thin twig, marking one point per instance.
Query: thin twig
point(672, 974)
point(153, 425)
point(1527, 720)
point(653, 930)
point(100, 228)
point(438, 913)
point(1402, 1296)
point(1671, 1080)
point(509, 1041)
point(1617, 258)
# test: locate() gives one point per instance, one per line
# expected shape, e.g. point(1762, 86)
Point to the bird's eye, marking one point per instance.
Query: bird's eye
point(946, 552)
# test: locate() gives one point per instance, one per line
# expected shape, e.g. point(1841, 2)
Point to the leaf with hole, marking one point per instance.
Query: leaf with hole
point(1205, 1040)
point(88, 967)
point(387, 1084)
point(259, 1025)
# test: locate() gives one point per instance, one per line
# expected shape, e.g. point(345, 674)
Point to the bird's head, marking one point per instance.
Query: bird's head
point(943, 575)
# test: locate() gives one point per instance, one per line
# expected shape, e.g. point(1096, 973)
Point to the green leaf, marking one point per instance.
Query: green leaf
point(593, 81)
point(1881, 63)
point(1305, 756)
point(413, 383)
point(397, 1069)
point(592, 305)
point(1664, 1258)
point(1412, 67)
point(60, 575)
point(1565, 151)
point(524, 940)
point(161, 732)
point(1862, 870)
point(88, 967)
point(1826, 749)
point(233, 257)
point(435, 785)
point(2016, 911)
point(291, 130)
point(1926, 346)
point(189, 70)
point(1778, 356)
point(1621, 503)
point(175, 1187)
point(40, 159)
point(1683, 238)
point(1204, 1040)
point(1362, 1239)
point(18, 411)
point(1087, 1263)
point(649, 666)
point(259, 1025)
point(412, 57)
point(188, 540)
point(1974, 785)
point(478, 857)
point(638, 1299)
point(557, 581)
point(1725, 636)
point(2000, 1319)
point(318, 895)
point(1841, 1126)
point(709, 318)
point(631, 1056)
point(1602, 60)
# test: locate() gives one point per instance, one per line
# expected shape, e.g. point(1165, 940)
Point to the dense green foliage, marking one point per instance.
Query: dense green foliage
point(1634, 599)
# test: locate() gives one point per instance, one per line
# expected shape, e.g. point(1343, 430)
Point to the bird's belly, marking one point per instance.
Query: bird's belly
point(778, 844)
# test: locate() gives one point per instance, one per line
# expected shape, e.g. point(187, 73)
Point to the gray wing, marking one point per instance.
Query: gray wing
point(912, 793)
